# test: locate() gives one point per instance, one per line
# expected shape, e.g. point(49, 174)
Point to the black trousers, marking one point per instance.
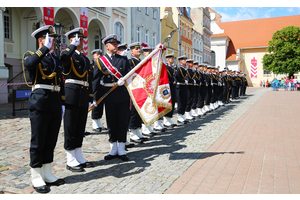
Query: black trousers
point(44, 132)
point(190, 94)
point(224, 93)
point(181, 91)
point(241, 90)
point(201, 96)
point(234, 91)
point(117, 120)
point(215, 94)
point(74, 125)
point(195, 96)
point(228, 94)
point(173, 96)
point(135, 121)
point(208, 95)
point(98, 111)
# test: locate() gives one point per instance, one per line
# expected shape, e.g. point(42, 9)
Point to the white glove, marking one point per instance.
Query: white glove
point(75, 40)
point(48, 41)
point(93, 104)
point(120, 82)
point(211, 84)
point(186, 82)
point(194, 81)
point(124, 53)
point(62, 111)
point(101, 82)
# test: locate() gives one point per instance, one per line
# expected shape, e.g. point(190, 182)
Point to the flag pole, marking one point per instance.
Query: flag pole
point(158, 47)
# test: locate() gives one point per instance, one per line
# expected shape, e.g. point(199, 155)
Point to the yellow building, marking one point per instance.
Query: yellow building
point(167, 25)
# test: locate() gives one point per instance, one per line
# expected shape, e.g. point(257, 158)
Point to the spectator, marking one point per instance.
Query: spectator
point(267, 84)
point(286, 82)
point(295, 83)
point(291, 83)
point(261, 83)
point(264, 84)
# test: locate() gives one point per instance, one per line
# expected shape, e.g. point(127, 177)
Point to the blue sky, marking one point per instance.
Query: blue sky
point(245, 13)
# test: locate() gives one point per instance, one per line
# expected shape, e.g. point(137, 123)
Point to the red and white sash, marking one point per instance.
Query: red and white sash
point(111, 69)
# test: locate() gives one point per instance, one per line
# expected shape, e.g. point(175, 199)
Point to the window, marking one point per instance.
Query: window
point(147, 36)
point(96, 42)
point(154, 39)
point(154, 14)
point(138, 8)
point(138, 34)
point(7, 24)
point(266, 72)
point(146, 10)
point(119, 31)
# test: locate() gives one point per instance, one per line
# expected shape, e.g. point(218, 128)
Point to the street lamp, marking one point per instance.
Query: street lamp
point(58, 29)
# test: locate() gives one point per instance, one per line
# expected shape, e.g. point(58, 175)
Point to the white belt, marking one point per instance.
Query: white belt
point(84, 83)
point(47, 87)
point(180, 83)
point(109, 84)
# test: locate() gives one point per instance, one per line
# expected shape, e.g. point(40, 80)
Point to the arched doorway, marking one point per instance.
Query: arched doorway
point(96, 32)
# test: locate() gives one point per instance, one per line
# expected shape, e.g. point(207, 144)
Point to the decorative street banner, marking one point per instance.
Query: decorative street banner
point(84, 25)
point(149, 88)
point(48, 15)
point(254, 66)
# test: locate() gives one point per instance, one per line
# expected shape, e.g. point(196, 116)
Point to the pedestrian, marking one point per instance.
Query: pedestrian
point(113, 67)
point(45, 108)
point(267, 83)
point(78, 95)
point(264, 83)
point(261, 83)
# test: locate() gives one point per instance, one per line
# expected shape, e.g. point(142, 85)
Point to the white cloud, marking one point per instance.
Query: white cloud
point(242, 14)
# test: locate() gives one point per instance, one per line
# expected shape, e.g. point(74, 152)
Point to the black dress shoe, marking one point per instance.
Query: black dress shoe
point(87, 165)
point(161, 130)
point(184, 122)
point(97, 130)
point(137, 141)
point(110, 157)
point(174, 125)
point(58, 182)
point(144, 139)
point(42, 189)
point(124, 157)
point(129, 145)
point(149, 134)
point(86, 133)
point(77, 168)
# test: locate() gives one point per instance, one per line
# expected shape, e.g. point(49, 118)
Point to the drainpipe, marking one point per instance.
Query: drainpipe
point(179, 35)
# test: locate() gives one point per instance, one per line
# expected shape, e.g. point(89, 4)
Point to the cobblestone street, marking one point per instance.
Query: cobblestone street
point(153, 166)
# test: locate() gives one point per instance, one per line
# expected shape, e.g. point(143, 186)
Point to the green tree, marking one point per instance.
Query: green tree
point(283, 52)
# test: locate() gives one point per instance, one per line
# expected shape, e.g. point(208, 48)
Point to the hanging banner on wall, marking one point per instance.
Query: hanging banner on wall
point(253, 66)
point(84, 25)
point(48, 15)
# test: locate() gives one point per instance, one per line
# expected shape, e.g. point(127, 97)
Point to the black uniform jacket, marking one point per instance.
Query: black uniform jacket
point(44, 69)
point(76, 94)
point(120, 94)
point(190, 75)
point(180, 74)
point(171, 74)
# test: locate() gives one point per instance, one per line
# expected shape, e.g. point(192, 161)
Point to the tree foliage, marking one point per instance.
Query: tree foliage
point(283, 51)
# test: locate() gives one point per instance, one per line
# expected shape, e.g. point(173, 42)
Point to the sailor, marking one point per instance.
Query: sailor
point(122, 51)
point(113, 67)
point(229, 78)
point(135, 122)
point(220, 85)
point(181, 89)
point(98, 111)
point(45, 108)
point(78, 94)
point(171, 76)
point(246, 84)
point(190, 89)
point(196, 89)
point(202, 90)
point(234, 85)
point(208, 95)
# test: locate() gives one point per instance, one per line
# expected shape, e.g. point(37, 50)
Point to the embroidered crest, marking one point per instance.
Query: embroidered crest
point(50, 29)
point(149, 109)
point(81, 31)
point(164, 92)
point(149, 85)
point(154, 62)
point(135, 81)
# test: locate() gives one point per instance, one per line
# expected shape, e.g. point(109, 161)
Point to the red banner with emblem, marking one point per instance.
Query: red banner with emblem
point(48, 15)
point(84, 25)
point(149, 87)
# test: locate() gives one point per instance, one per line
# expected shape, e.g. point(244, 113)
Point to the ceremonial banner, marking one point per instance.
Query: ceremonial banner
point(48, 16)
point(253, 66)
point(84, 25)
point(149, 88)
